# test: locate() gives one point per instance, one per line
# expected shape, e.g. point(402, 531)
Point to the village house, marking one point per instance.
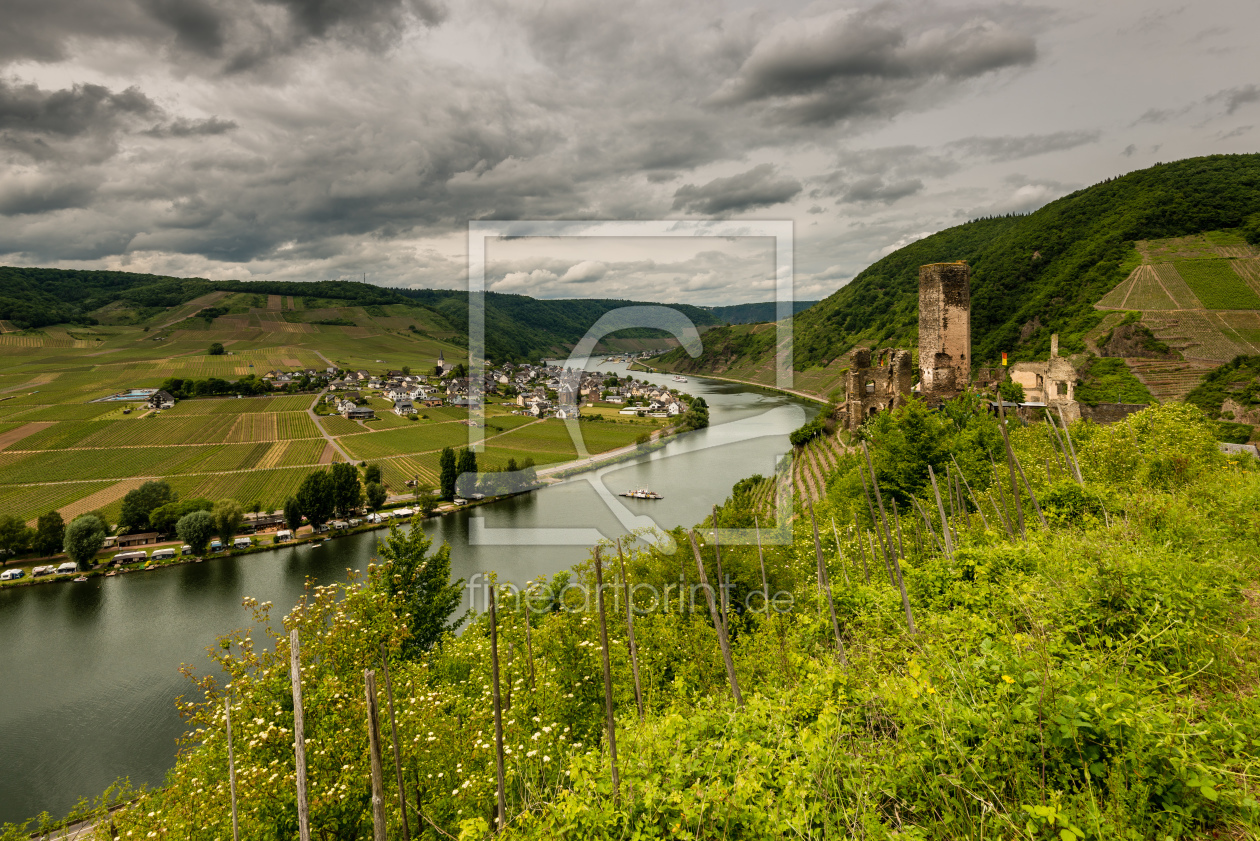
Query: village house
point(403, 407)
point(161, 400)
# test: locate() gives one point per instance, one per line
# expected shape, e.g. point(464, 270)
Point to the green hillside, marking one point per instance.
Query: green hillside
point(1032, 275)
point(517, 327)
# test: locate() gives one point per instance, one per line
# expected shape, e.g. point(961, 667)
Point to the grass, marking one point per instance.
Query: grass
point(1217, 285)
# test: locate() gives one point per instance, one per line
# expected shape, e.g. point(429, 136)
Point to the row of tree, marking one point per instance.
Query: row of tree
point(17, 538)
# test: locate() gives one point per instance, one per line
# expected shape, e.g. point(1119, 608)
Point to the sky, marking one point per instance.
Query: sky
point(324, 139)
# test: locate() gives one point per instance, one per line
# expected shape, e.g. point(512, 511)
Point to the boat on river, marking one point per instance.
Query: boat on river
point(680, 379)
point(642, 493)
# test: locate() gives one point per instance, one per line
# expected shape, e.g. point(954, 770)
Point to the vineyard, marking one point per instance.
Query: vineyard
point(29, 501)
point(419, 438)
point(1217, 285)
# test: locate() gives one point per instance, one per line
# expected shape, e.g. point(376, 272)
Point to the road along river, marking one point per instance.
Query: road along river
point(89, 671)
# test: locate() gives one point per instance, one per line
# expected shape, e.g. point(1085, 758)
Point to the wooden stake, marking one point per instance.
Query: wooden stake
point(967, 485)
point(1001, 511)
point(905, 600)
point(634, 648)
point(1076, 464)
point(393, 731)
point(857, 538)
point(1032, 496)
point(927, 521)
point(883, 518)
point(610, 719)
point(227, 708)
point(498, 708)
point(299, 737)
point(761, 558)
point(840, 552)
point(870, 506)
point(717, 555)
point(901, 548)
point(949, 545)
point(822, 572)
point(723, 642)
point(374, 748)
point(529, 641)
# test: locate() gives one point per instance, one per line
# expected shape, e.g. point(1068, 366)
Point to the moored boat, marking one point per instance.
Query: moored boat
point(642, 493)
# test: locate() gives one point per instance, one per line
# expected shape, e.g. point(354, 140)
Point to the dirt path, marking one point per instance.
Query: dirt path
point(15, 435)
point(100, 499)
point(330, 450)
point(42, 379)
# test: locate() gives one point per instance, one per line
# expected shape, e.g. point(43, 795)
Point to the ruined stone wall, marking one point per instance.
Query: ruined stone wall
point(1105, 413)
point(890, 377)
point(944, 327)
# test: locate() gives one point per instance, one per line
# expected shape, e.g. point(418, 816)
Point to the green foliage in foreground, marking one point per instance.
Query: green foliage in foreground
point(1095, 680)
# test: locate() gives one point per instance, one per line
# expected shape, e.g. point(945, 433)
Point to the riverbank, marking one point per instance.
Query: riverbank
point(804, 395)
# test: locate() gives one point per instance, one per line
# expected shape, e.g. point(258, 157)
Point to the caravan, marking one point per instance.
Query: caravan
point(163, 554)
point(131, 557)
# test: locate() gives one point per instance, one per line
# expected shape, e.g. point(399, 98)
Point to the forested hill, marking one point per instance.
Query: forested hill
point(1032, 275)
point(517, 327)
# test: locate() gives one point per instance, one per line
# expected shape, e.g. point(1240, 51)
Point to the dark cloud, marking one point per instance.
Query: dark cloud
point(42, 194)
point(875, 189)
point(873, 62)
point(1236, 97)
point(235, 34)
point(29, 109)
point(1014, 148)
point(183, 127)
point(758, 187)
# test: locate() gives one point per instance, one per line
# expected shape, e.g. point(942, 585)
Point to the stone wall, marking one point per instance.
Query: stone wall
point(876, 382)
point(1110, 412)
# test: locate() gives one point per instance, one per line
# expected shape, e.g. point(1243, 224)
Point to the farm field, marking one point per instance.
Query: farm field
point(67, 453)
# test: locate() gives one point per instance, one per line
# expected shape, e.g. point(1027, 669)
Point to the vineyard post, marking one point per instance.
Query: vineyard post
point(498, 708)
point(227, 709)
point(634, 648)
point(393, 729)
point(723, 642)
point(374, 751)
point(610, 719)
point(299, 737)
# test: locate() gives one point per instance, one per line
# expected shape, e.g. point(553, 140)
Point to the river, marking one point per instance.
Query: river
point(91, 670)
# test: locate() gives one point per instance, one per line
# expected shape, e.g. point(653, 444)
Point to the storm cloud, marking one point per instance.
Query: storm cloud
point(306, 139)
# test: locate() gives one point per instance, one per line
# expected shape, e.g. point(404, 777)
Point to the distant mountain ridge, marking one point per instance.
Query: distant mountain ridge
point(755, 313)
point(1032, 275)
point(517, 327)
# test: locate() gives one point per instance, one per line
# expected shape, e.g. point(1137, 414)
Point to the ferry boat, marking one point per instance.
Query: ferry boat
point(642, 493)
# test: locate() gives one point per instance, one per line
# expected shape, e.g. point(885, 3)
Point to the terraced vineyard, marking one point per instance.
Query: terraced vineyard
point(1200, 295)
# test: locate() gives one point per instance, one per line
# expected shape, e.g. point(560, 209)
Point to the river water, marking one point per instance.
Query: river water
point(89, 672)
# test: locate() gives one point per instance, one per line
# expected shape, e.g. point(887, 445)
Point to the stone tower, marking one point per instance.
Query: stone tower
point(944, 328)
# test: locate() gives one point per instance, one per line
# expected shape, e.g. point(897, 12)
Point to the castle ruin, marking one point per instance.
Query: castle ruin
point(944, 329)
point(944, 351)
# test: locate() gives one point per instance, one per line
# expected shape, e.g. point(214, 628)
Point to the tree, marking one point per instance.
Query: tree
point(15, 537)
point(292, 514)
point(84, 538)
point(421, 586)
point(375, 495)
point(50, 534)
point(372, 473)
point(138, 504)
point(216, 349)
point(406, 369)
point(196, 528)
point(228, 515)
point(315, 498)
point(165, 518)
point(466, 472)
point(1011, 391)
point(347, 493)
point(448, 471)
